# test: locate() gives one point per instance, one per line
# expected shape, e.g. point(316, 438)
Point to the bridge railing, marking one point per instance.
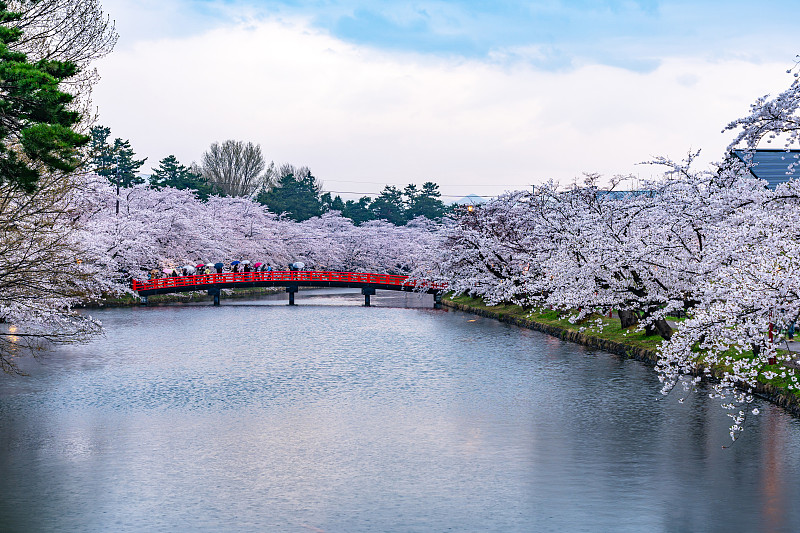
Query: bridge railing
point(274, 276)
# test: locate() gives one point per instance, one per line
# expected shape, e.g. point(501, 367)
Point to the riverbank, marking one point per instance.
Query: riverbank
point(129, 300)
point(612, 338)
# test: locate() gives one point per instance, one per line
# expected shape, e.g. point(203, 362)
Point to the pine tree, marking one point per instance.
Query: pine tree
point(424, 202)
point(34, 118)
point(297, 194)
point(390, 206)
point(116, 162)
point(329, 203)
point(100, 156)
point(359, 211)
point(125, 166)
point(171, 173)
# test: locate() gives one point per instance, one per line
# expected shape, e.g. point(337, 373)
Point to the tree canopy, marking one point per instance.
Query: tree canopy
point(359, 211)
point(36, 125)
point(424, 202)
point(235, 168)
point(170, 173)
point(296, 193)
point(114, 161)
point(390, 206)
point(48, 262)
point(76, 31)
point(399, 207)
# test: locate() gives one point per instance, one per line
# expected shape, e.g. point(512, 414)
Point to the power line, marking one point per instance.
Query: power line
point(403, 184)
point(373, 193)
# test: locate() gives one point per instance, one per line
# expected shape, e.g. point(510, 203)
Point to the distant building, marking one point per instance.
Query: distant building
point(772, 165)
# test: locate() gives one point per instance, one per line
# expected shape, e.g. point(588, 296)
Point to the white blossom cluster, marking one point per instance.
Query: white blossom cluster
point(715, 246)
point(169, 228)
point(67, 244)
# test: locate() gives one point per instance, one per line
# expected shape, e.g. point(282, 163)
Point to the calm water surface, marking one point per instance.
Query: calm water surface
point(333, 417)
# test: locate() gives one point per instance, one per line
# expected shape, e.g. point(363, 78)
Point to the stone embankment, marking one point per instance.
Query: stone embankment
point(778, 396)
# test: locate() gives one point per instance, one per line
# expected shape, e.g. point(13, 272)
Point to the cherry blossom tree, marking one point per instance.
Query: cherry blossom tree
point(166, 228)
point(749, 300)
point(496, 251)
point(47, 263)
point(715, 244)
point(46, 268)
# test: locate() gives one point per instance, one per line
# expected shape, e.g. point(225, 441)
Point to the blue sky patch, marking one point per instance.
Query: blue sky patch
point(550, 34)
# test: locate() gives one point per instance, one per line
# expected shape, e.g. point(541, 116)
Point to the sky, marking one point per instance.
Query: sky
point(478, 96)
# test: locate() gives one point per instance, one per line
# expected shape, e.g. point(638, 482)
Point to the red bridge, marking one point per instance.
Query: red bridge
point(213, 283)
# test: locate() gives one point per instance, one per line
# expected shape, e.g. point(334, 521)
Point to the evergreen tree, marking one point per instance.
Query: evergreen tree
point(125, 166)
point(170, 173)
point(296, 193)
point(359, 211)
point(34, 118)
point(331, 204)
point(424, 202)
point(116, 162)
point(390, 206)
point(100, 156)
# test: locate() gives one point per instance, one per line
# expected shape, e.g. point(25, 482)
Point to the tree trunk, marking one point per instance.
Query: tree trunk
point(627, 318)
point(659, 327)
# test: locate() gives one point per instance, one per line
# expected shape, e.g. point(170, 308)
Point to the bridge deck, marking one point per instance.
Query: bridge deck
point(279, 279)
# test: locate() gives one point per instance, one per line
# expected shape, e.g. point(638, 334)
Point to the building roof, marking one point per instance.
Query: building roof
point(772, 165)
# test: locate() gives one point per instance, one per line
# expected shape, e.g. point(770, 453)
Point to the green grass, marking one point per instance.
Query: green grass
point(611, 330)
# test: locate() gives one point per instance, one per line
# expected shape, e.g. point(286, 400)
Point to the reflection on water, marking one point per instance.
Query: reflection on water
point(329, 416)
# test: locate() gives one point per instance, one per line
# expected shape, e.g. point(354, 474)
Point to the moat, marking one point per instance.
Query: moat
point(330, 416)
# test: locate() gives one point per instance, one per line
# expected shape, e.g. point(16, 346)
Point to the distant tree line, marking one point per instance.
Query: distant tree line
point(236, 168)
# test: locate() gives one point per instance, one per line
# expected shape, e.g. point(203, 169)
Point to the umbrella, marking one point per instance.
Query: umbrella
point(168, 270)
point(219, 265)
point(234, 263)
point(245, 262)
point(256, 265)
point(200, 265)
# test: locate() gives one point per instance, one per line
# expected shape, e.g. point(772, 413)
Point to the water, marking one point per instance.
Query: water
point(329, 416)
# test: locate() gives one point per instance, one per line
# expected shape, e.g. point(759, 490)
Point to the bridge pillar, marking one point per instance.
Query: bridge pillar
point(291, 290)
point(367, 292)
point(437, 300)
point(215, 293)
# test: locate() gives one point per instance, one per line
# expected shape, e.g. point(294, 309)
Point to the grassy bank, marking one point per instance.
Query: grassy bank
point(612, 338)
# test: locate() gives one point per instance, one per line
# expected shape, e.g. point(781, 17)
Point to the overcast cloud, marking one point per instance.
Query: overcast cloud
point(368, 96)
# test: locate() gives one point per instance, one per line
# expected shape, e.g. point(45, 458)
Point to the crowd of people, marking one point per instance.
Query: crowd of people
point(219, 268)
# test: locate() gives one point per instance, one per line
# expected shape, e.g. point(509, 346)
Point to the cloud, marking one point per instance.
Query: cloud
point(358, 113)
